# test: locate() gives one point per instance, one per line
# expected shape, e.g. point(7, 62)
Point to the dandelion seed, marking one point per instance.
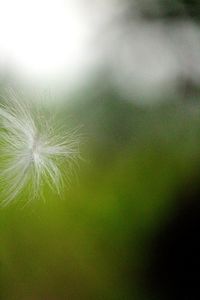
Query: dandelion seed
point(34, 151)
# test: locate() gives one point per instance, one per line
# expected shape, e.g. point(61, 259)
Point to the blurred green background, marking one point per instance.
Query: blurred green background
point(139, 159)
point(95, 242)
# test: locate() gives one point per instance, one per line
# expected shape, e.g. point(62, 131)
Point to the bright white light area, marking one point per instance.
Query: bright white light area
point(43, 39)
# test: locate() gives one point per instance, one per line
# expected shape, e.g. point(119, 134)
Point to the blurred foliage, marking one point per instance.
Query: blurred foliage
point(93, 243)
point(169, 8)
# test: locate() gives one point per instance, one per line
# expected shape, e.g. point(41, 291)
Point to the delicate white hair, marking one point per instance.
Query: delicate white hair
point(34, 150)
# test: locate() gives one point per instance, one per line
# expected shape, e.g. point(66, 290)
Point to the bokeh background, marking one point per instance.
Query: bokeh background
point(128, 73)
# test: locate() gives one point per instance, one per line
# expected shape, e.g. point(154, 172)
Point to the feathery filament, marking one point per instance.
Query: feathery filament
point(33, 149)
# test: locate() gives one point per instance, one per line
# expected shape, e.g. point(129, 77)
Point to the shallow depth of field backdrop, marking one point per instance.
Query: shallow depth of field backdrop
point(128, 74)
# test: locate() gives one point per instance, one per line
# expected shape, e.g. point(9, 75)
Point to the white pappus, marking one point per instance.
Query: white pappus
point(34, 151)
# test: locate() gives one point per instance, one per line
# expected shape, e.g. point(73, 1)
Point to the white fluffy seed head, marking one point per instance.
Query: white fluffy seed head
point(34, 151)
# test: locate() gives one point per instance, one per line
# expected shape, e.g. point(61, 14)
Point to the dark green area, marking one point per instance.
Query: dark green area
point(94, 243)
